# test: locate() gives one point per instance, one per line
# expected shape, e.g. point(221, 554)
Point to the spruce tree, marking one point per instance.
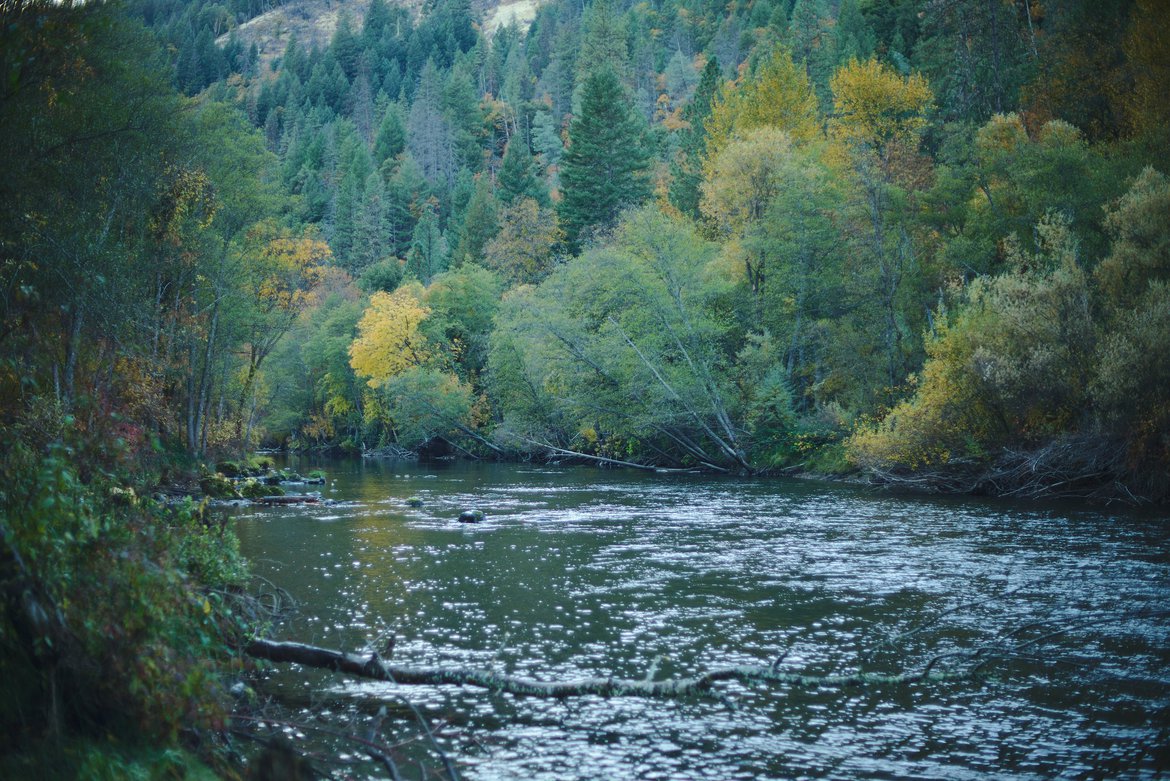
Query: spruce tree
point(517, 177)
point(428, 247)
point(371, 230)
point(604, 170)
point(429, 136)
point(546, 139)
point(391, 138)
point(480, 224)
point(687, 170)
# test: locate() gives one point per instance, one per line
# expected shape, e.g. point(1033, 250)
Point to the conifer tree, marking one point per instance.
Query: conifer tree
point(480, 224)
point(517, 178)
point(546, 139)
point(429, 133)
point(687, 169)
point(812, 44)
point(603, 42)
point(391, 138)
point(604, 170)
point(371, 233)
point(428, 246)
point(855, 39)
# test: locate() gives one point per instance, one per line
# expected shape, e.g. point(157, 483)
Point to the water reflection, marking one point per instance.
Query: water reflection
point(587, 572)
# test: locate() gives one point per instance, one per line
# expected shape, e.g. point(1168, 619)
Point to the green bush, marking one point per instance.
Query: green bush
point(217, 486)
point(124, 632)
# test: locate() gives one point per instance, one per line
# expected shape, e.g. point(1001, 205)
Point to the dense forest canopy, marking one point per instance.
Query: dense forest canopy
point(899, 235)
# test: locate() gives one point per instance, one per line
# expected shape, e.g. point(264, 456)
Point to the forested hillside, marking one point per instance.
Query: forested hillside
point(923, 238)
point(896, 235)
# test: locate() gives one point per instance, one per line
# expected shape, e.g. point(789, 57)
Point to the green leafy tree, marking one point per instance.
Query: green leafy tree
point(616, 353)
point(1012, 368)
point(463, 305)
point(879, 119)
point(523, 248)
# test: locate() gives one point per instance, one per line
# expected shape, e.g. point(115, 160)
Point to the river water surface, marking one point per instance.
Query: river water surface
point(582, 572)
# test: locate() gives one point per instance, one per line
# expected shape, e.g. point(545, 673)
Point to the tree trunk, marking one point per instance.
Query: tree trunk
point(373, 667)
point(73, 347)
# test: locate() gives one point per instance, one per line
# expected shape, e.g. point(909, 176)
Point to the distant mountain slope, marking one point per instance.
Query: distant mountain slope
point(314, 21)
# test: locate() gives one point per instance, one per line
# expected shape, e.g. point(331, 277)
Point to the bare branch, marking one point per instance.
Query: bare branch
point(372, 667)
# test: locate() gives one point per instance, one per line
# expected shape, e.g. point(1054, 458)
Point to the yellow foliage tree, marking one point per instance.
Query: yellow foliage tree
point(389, 341)
point(744, 177)
point(878, 122)
point(876, 107)
point(278, 274)
point(742, 181)
point(778, 96)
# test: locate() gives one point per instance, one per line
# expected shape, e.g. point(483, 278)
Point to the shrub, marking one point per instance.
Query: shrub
point(121, 632)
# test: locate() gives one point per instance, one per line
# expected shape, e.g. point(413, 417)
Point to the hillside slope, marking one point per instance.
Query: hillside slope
point(313, 22)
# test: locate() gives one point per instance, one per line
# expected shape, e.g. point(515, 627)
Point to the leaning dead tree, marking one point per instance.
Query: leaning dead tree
point(370, 665)
point(1027, 642)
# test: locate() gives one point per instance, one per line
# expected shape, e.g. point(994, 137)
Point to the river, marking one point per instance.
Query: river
point(587, 572)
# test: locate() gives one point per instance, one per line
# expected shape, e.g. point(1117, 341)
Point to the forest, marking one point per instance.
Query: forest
point(918, 242)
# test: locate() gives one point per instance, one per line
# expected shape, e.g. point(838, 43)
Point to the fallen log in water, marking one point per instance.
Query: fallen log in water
point(373, 667)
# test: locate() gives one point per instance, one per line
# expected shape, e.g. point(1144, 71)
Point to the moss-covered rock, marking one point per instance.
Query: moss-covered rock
point(230, 468)
point(217, 486)
point(256, 489)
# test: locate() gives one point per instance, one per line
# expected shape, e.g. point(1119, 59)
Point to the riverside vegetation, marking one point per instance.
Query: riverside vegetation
point(928, 241)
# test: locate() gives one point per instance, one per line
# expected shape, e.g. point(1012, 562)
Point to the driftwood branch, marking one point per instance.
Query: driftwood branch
point(373, 667)
point(1073, 467)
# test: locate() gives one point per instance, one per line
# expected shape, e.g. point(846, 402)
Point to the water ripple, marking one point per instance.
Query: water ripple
point(588, 572)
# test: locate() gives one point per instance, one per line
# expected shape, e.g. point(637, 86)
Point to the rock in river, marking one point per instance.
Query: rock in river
point(471, 516)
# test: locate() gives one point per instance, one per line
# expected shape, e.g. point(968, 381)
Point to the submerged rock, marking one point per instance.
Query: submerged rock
point(414, 501)
point(471, 516)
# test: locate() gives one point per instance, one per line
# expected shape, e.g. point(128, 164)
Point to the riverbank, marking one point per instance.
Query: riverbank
point(1088, 470)
point(120, 631)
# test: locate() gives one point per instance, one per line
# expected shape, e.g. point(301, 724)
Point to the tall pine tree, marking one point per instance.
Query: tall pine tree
point(517, 177)
point(604, 170)
point(687, 170)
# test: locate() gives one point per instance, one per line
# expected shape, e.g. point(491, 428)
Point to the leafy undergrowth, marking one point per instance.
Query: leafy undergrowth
point(104, 761)
point(116, 627)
